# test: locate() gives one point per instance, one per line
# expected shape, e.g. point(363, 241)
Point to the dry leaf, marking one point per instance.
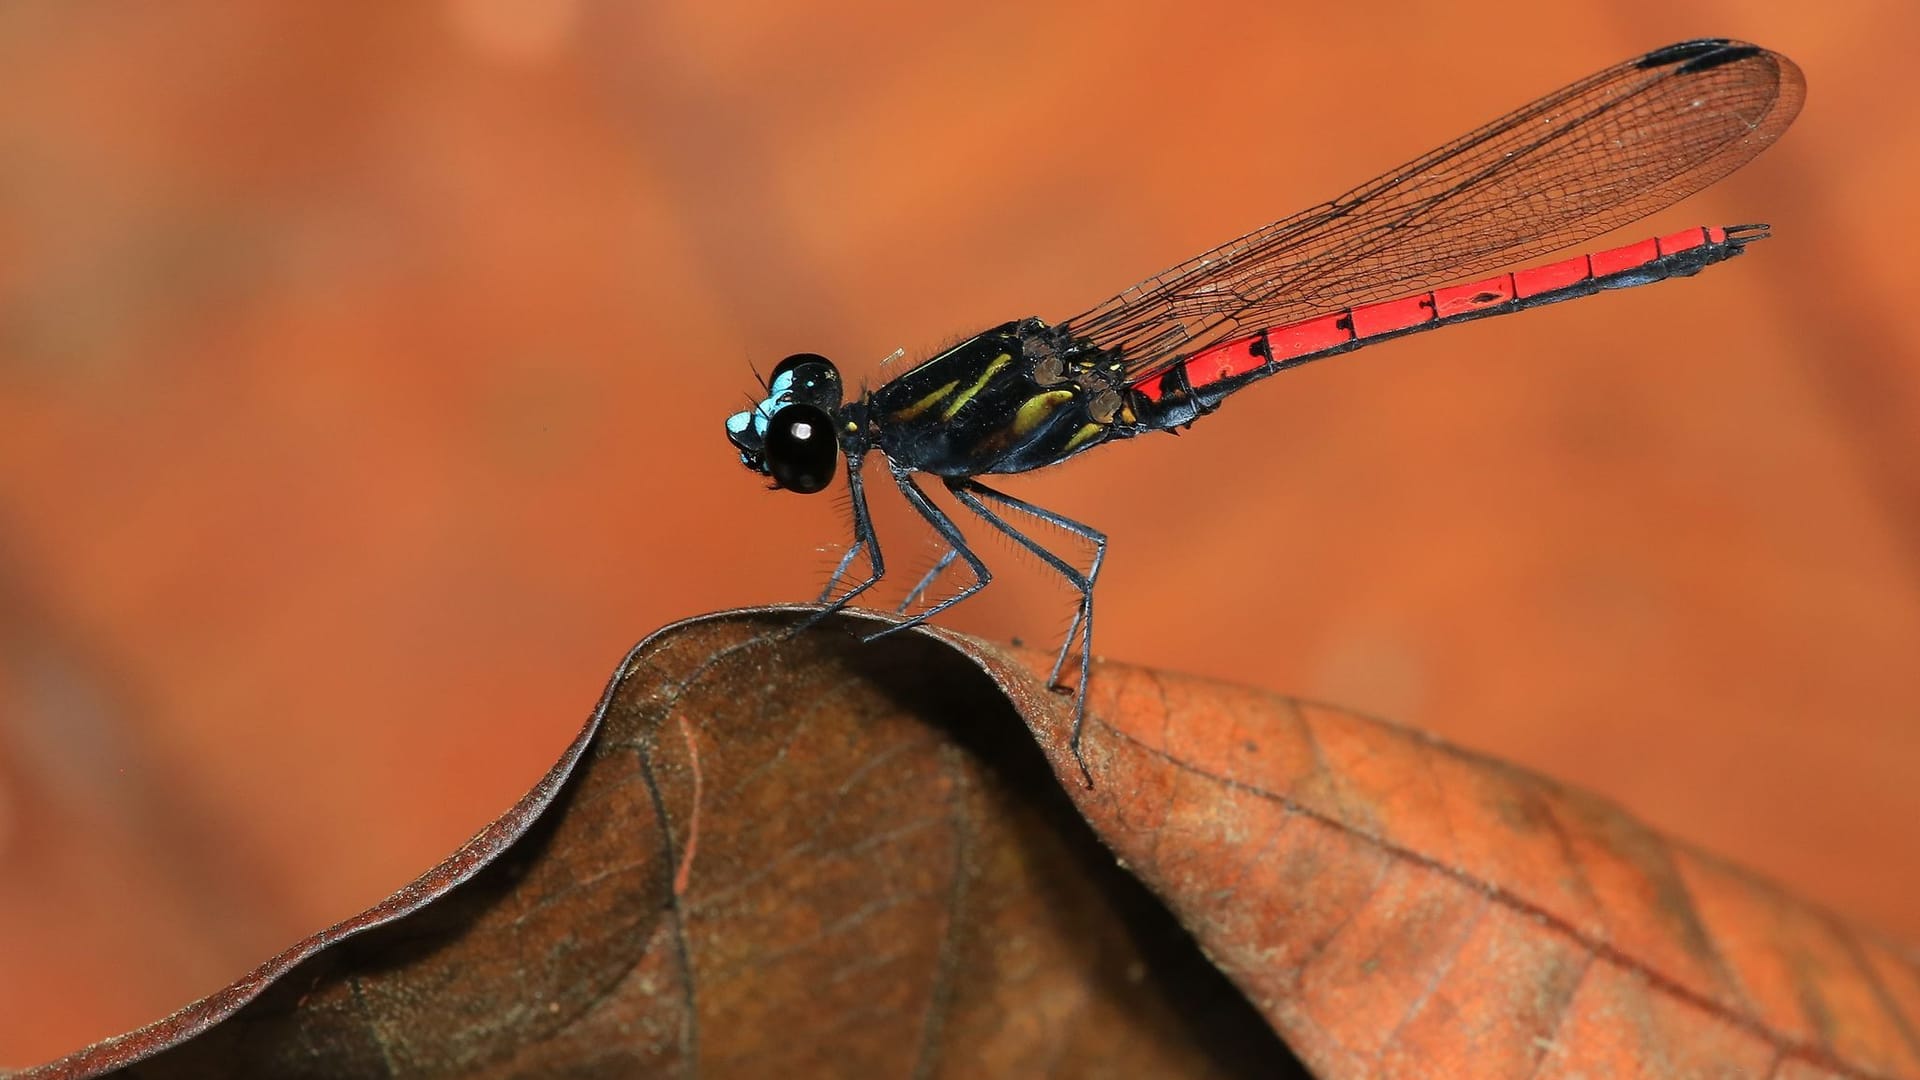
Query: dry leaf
point(777, 855)
point(769, 856)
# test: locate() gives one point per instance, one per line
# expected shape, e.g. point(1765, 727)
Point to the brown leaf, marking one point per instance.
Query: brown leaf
point(1397, 906)
point(766, 856)
point(799, 855)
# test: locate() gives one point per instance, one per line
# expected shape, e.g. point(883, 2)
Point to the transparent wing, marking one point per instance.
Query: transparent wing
point(1604, 151)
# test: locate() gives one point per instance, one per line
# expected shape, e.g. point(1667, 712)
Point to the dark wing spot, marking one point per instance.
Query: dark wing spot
point(1720, 58)
point(1685, 50)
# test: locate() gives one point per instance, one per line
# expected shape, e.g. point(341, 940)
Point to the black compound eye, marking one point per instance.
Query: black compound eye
point(811, 377)
point(796, 360)
point(801, 448)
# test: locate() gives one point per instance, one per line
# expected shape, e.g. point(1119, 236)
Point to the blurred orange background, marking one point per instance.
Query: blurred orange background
point(362, 370)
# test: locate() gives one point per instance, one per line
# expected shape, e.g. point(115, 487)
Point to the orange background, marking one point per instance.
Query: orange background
point(362, 370)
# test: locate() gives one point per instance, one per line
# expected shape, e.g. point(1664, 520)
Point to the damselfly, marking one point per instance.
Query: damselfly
point(1363, 268)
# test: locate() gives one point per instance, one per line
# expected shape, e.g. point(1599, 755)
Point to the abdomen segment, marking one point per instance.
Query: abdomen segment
point(1195, 386)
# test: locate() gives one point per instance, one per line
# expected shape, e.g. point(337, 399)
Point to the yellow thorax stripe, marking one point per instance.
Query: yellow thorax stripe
point(1087, 431)
point(913, 411)
point(1037, 408)
point(967, 395)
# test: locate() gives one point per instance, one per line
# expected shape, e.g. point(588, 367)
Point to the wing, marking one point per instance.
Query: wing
point(1604, 151)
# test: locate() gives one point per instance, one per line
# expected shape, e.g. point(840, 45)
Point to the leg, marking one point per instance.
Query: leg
point(863, 540)
point(971, 492)
point(949, 532)
point(840, 571)
point(1093, 536)
point(931, 576)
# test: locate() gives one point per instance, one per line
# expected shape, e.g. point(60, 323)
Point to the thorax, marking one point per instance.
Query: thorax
point(1021, 396)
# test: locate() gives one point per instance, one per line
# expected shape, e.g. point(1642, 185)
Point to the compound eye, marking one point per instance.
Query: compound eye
point(801, 448)
point(807, 377)
point(797, 360)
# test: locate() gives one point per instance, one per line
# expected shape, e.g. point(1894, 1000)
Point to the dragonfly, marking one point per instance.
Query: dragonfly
point(1398, 255)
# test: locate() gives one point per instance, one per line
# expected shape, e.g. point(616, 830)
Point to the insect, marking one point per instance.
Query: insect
point(1363, 268)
